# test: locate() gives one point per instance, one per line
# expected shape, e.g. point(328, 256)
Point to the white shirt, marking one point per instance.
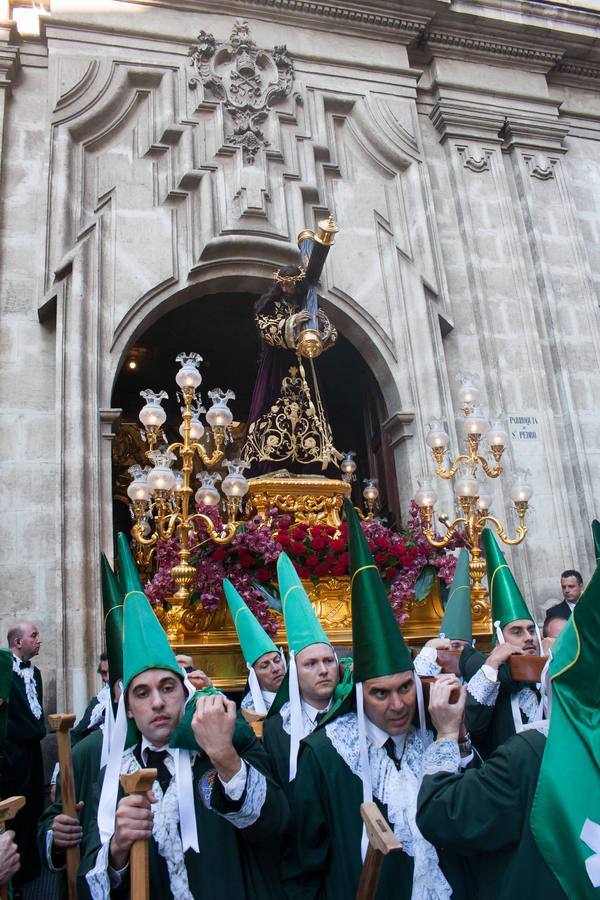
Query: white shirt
point(312, 712)
point(234, 788)
point(378, 736)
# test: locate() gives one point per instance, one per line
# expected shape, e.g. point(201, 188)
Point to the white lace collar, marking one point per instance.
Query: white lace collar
point(378, 736)
point(397, 790)
point(27, 675)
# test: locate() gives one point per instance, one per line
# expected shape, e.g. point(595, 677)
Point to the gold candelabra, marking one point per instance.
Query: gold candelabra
point(473, 497)
point(163, 495)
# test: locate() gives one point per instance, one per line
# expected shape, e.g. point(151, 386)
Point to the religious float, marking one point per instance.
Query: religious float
point(225, 498)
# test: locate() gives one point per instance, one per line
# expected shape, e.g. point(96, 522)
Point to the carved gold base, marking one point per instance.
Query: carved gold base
point(308, 498)
point(211, 639)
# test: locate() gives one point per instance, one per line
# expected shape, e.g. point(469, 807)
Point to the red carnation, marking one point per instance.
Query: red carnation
point(312, 561)
point(263, 574)
point(283, 539)
point(321, 570)
point(337, 545)
point(303, 572)
point(339, 569)
point(316, 531)
point(219, 554)
point(246, 561)
point(391, 573)
point(297, 549)
point(381, 557)
point(382, 542)
point(319, 543)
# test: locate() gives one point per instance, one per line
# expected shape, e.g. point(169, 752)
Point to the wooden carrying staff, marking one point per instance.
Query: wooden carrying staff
point(8, 810)
point(382, 841)
point(255, 721)
point(139, 783)
point(62, 723)
point(526, 668)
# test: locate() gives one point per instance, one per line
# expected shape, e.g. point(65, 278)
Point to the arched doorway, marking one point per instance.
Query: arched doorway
point(220, 327)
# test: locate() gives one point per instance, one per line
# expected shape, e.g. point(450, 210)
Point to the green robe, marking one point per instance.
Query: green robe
point(323, 858)
point(485, 812)
point(276, 742)
point(233, 862)
point(82, 729)
point(490, 726)
point(86, 772)
point(22, 772)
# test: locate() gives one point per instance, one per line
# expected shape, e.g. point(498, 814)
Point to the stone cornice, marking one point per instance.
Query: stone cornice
point(9, 64)
point(451, 43)
point(577, 69)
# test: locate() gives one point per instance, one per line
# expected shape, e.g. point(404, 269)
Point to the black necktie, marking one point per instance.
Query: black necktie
point(155, 759)
point(25, 664)
point(390, 749)
point(319, 716)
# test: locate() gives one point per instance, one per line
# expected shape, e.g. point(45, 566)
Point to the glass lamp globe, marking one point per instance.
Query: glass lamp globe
point(219, 415)
point(138, 489)
point(152, 414)
point(188, 375)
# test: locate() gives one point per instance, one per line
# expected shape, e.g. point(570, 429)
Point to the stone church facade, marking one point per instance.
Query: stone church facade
point(456, 143)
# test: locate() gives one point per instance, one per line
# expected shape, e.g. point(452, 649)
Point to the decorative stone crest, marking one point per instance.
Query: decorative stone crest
point(248, 81)
point(540, 166)
point(474, 158)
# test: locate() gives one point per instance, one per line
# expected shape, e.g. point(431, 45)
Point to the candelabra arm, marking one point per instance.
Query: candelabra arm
point(450, 531)
point(175, 446)
point(229, 529)
point(166, 526)
point(521, 529)
point(491, 473)
point(213, 460)
point(450, 473)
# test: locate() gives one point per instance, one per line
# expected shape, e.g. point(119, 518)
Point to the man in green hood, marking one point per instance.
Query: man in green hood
point(306, 693)
point(213, 807)
point(367, 749)
point(497, 706)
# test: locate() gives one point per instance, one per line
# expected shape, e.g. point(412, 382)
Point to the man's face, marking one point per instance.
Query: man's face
point(571, 589)
point(522, 634)
point(554, 627)
point(155, 700)
point(390, 702)
point(28, 645)
point(270, 671)
point(317, 674)
point(103, 670)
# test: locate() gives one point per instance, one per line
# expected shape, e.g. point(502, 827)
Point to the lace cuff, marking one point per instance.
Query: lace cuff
point(425, 664)
point(482, 689)
point(97, 878)
point(441, 756)
point(254, 800)
point(234, 788)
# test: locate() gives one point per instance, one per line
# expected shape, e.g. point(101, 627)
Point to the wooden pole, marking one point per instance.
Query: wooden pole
point(382, 841)
point(62, 723)
point(255, 721)
point(139, 783)
point(8, 810)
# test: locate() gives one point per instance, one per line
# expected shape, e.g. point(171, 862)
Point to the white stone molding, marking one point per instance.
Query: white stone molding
point(539, 166)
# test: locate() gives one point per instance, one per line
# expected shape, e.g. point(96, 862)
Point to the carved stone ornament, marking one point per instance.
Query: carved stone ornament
point(475, 158)
point(540, 167)
point(247, 81)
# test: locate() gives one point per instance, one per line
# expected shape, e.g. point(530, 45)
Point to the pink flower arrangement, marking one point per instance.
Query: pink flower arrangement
point(405, 559)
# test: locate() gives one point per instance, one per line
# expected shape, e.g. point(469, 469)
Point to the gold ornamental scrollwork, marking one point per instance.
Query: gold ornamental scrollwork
point(312, 500)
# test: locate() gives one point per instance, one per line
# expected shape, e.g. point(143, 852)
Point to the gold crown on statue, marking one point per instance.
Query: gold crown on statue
point(289, 279)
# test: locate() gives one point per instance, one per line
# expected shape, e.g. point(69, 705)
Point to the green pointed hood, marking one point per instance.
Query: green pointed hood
point(596, 534)
point(566, 796)
point(456, 623)
point(254, 640)
point(112, 603)
point(145, 644)
point(129, 577)
point(301, 623)
point(378, 645)
point(506, 599)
